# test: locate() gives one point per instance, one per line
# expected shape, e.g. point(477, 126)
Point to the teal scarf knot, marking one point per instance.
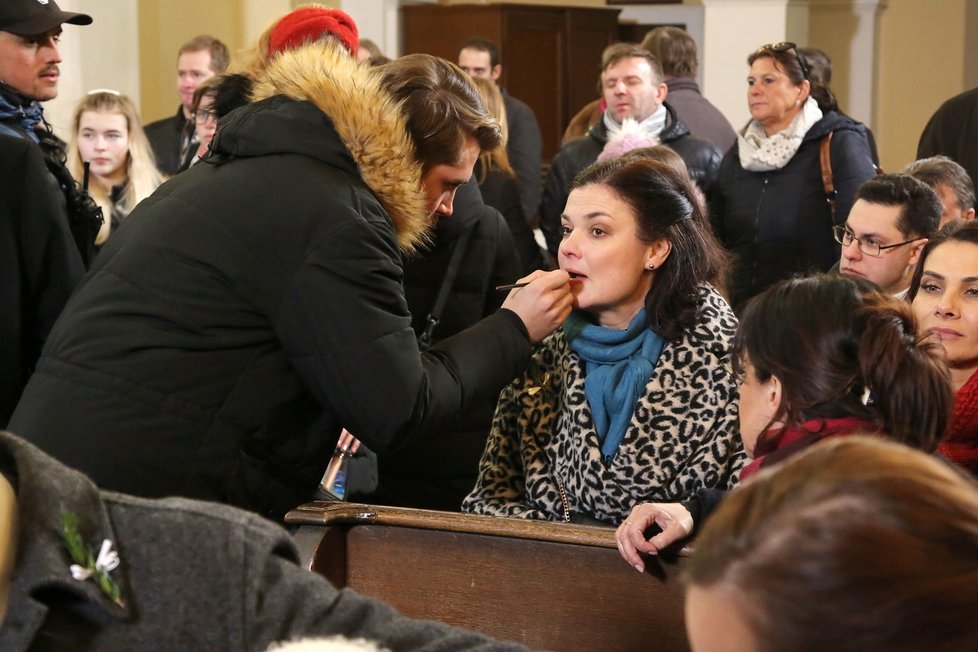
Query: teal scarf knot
point(619, 365)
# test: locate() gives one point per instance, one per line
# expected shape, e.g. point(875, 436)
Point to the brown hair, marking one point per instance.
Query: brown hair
point(496, 158)
point(854, 544)
point(665, 206)
point(835, 341)
point(674, 48)
point(789, 61)
point(220, 57)
point(618, 51)
point(442, 108)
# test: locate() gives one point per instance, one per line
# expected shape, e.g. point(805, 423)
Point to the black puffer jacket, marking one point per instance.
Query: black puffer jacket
point(499, 191)
point(702, 160)
point(39, 263)
point(490, 260)
point(778, 223)
point(438, 469)
point(253, 306)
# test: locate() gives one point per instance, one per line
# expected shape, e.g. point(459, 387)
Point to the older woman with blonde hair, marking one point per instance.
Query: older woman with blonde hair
point(108, 136)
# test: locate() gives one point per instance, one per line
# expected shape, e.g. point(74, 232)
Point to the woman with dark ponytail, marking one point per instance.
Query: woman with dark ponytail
point(818, 357)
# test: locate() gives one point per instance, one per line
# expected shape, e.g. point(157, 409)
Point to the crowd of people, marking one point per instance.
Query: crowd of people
point(322, 240)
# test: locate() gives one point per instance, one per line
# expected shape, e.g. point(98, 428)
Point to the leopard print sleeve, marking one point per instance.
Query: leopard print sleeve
point(501, 487)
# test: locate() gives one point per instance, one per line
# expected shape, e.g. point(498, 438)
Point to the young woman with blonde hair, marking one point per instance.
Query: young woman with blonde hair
point(107, 134)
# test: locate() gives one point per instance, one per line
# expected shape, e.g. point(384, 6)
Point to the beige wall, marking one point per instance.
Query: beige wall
point(923, 48)
point(164, 25)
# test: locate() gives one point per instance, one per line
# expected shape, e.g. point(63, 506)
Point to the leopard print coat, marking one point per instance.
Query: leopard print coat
point(543, 457)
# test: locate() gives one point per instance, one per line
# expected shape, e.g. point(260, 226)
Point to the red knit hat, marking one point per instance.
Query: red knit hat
point(310, 24)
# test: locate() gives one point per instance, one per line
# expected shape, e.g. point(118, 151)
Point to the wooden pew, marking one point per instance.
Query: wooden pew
point(547, 585)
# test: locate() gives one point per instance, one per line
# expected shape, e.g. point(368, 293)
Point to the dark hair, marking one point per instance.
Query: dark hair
point(442, 108)
point(664, 206)
point(833, 341)
point(205, 89)
point(953, 231)
point(220, 57)
point(942, 170)
point(232, 91)
point(819, 67)
point(789, 61)
point(854, 544)
point(920, 213)
point(483, 45)
point(674, 48)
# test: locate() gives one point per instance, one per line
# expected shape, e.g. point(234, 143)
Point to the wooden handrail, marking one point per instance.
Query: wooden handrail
point(337, 513)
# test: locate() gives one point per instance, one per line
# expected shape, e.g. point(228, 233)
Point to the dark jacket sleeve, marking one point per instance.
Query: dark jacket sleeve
point(502, 195)
point(362, 359)
point(555, 192)
point(41, 260)
point(506, 266)
point(852, 165)
point(525, 149)
point(702, 504)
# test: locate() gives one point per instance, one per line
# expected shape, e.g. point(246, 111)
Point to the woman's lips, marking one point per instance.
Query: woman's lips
point(946, 333)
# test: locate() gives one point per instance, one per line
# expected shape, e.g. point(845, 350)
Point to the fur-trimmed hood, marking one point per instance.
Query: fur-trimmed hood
point(368, 121)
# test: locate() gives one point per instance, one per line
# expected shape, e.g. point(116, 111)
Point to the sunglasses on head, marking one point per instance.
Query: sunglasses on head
point(786, 46)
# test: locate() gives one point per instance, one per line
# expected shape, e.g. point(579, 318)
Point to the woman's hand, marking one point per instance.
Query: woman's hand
point(674, 519)
point(543, 304)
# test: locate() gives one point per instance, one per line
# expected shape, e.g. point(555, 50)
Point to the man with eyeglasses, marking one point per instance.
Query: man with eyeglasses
point(890, 222)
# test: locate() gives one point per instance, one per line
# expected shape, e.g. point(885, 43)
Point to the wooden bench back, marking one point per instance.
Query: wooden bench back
point(546, 585)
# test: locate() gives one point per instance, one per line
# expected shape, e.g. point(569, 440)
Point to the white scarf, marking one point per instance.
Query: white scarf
point(652, 125)
point(761, 153)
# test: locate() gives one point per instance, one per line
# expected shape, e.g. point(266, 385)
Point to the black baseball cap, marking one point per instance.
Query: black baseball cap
point(29, 17)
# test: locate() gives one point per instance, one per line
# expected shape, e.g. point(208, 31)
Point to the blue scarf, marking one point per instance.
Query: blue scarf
point(619, 366)
point(16, 109)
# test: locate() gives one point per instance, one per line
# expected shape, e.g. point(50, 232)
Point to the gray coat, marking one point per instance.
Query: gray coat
point(192, 575)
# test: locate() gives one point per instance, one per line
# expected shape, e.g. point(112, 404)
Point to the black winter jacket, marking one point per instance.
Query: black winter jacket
point(499, 191)
point(778, 223)
point(953, 131)
point(439, 468)
point(253, 306)
point(39, 263)
point(702, 160)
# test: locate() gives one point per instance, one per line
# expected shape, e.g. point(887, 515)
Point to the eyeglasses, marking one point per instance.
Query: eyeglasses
point(786, 46)
point(204, 116)
point(845, 237)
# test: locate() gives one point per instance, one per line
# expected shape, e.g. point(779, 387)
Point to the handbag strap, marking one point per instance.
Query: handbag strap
point(424, 340)
point(825, 158)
